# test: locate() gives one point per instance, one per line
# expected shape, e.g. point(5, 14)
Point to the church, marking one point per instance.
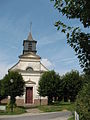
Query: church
point(31, 69)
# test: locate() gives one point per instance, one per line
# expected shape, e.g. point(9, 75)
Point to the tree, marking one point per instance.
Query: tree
point(72, 85)
point(75, 9)
point(83, 102)
point(50, 85)
point(2, 96)
point(13, 85)
point(78, 40)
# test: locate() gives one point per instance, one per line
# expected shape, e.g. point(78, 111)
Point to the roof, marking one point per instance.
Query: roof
point(30, 37)
point(30, 82)
point(30, 55)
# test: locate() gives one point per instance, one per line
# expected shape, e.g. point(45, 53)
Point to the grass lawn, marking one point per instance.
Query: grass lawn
point(17, 110)
point(71, 118)
point(58, 107)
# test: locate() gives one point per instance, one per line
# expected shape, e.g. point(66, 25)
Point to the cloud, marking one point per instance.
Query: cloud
point(50, 39)
point(67, 60)
point(65, 70)
point(62, 71)
point(4, 69)
point(47, 63)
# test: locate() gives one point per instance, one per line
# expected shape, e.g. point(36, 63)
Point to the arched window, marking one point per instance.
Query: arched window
point(29, 69)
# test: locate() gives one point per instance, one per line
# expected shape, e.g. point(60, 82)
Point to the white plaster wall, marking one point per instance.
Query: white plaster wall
point(32, 76)
point(43, 68)
point(35, 86)
point(22, 65)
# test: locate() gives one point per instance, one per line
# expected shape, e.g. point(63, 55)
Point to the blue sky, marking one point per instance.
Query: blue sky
point(15, 18)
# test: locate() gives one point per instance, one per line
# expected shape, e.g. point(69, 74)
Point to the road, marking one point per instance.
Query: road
point(44, 116)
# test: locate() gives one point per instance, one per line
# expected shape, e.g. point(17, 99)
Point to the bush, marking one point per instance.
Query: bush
point(51, 85)
point(83, 102)
point(72, 85)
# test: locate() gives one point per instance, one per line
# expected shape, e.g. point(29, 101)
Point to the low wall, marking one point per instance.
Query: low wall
point(43, 101)
point(20, 102)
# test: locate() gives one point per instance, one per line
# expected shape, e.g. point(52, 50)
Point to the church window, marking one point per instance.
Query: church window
point(29, 69)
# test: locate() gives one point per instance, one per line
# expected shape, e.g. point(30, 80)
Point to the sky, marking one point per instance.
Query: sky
point(15, 18)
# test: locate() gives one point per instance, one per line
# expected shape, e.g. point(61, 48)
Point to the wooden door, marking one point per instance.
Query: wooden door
point(29, 95)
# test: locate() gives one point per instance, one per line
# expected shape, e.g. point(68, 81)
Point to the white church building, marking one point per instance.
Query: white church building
point(31, 69)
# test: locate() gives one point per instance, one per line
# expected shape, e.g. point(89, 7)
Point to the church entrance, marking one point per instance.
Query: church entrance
point(29, 95)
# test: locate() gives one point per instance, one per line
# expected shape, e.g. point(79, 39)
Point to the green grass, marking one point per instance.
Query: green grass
point(71, 118)
point(57, 107)
point(16, 110)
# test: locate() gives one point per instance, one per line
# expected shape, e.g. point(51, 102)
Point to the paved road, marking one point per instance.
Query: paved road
point(44, 116)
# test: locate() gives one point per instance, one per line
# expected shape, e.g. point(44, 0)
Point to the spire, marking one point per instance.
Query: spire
point(30, 34)
point(30, 26)
point(29, 45)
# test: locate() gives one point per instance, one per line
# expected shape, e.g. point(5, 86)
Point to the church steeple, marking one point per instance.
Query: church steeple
point(29, 45)
point(30, 36)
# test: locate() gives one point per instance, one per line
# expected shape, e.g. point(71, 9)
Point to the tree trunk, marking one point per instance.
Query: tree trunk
point(50, 99)
point(12, 102)
point(65, 99)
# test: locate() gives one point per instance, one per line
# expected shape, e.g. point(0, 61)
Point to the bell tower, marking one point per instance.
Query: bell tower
point(29, 45)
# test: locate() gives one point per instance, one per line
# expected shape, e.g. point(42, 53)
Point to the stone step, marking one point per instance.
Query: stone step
point(30, 105)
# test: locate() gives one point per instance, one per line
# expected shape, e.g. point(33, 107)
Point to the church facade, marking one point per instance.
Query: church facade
point(31, 69)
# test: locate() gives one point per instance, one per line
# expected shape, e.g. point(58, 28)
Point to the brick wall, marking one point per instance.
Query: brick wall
point(20, 102)
point(5, 101)
point(43, 101)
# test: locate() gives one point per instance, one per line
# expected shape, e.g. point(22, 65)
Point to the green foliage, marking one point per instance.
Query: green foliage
point(75, 9)
point(2, 95)
point(50, 85)
point(67, 87)
point(58, 107)
point(72, 85)
point(77, 39)
point(71, 118)
point(13, 86)
point(80, 42)
point(83, 101)
point(17, 110)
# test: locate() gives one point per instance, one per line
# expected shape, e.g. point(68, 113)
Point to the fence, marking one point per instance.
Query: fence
point(76, 116)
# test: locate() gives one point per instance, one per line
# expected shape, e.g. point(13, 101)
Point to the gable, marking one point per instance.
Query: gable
point(29, 60)
point(29, 82)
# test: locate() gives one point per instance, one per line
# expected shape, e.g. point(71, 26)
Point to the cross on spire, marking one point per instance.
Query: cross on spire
point(30, 33)
point(30, 26)
point(29, 44)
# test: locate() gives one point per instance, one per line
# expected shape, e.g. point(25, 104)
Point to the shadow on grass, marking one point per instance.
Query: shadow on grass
point(16, 111)
point(58, 106)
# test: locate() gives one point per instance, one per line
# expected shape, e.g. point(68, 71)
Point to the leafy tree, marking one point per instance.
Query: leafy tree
point(75, 9)
point(2, 96)
point(13, 85)
point(72, 85)
point(83, 101)
point(50, 85)
point(77, 39)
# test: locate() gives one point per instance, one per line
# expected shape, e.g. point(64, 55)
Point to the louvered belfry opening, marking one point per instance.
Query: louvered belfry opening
point(29, 45)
